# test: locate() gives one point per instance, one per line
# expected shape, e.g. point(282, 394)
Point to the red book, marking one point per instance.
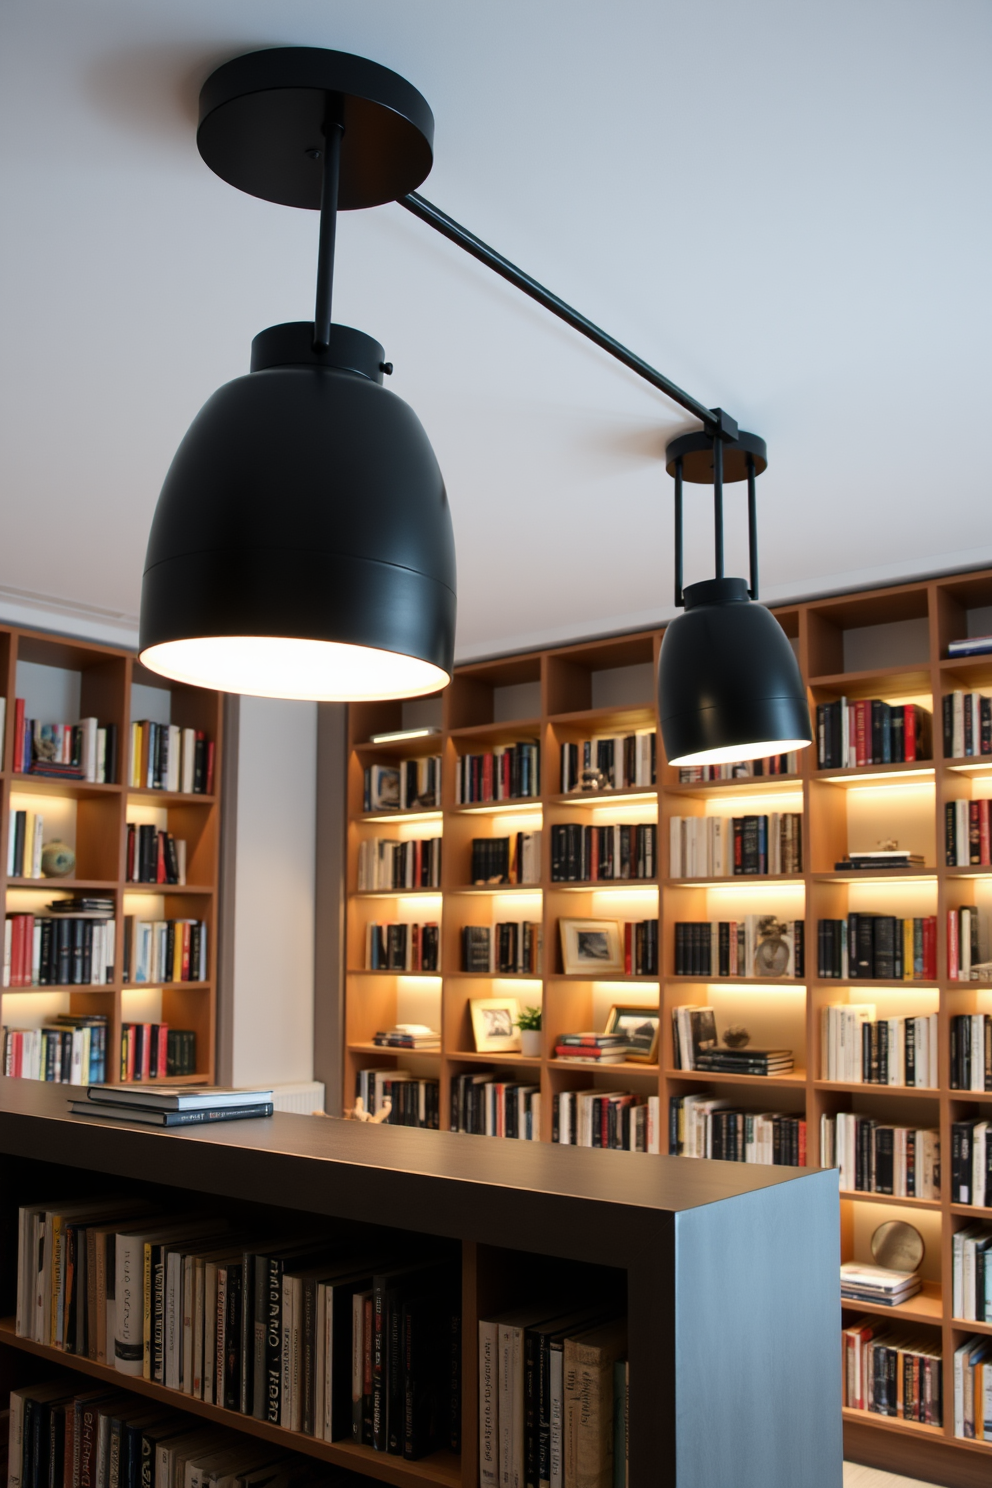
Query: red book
point(930, 948)
point(802, 1144)
point(909, 731)
point(604, 1123)
point(628, 936)
point(984, 836)
point(952, 944)
point(187, 931)
point(17, 952)
point(132, 838)
point(487, 777)
point(859, 734)
point(506, 792)
point(209, 785)
point(163, 1049)
point(18, 1068)
point(19, 736)
point(160, 874)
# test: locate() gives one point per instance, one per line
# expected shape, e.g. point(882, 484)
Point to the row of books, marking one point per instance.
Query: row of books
point(415, 864)
point(507, 860)
point(25, 840)
point(756, 946)
point(616, 1119)
point(413, 1101)
point(510, 773)
point(877, 1157)
point(589, 854)
point(967, 719)
point(893, 1372)
point(967, 838)
point(640, 947)
point(86, 750)
point(63, 1434)
point(486, 1104)
point(971, 1274)
point(877, 947)
point(288, 1329)
point(734, 846)
point(157, 951)
point(971, 1051)
point(553, 1385)
point(700, 1125)
point(610, 762)
point(510, 947)
point(870, 731)
point(403, 947)
point(58, 950)
point(973, 1389)
point(154, 856)
point(775, 764)
point(971, 1163)
point(153, 1051)
point(68, 1050)
point(854, 1046)
point(166, 757)
point(412, 785)
point(967, 944)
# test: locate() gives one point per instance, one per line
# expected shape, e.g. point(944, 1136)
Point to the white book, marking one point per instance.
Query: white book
point(489, 1373)
point(89, 750)
point(188, 759)
point(174, 767)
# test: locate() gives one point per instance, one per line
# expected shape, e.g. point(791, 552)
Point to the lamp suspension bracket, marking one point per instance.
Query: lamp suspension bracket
point(717, 459)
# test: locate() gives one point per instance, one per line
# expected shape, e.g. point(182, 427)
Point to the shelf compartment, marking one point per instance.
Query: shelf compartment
point(745, 785)
point(926, 1307)
point(893, 1423)
point(856, 1196)
point(442, 1467)
point(792, 1080)
point(869, 1087)
point(922, 771)
point(77, 790)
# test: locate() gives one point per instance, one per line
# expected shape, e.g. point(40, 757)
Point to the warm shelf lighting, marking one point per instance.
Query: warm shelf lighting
point(398, 735)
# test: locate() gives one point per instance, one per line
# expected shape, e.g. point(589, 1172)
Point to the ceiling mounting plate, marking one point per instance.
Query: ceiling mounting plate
point(696, 451)
point(262, 118)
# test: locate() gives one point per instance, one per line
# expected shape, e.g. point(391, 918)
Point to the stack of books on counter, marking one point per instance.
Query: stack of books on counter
point(173, 1105)
point(860, 1283)
point(593, 1048)
point(746, 1061)
point(408, 1036)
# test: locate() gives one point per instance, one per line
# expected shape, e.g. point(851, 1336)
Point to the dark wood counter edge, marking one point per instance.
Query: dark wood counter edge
point(579, 1202)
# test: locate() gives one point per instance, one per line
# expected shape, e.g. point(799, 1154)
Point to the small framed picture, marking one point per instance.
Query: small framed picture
point(494, 1024)
point(639, 1027)
point(591, 946)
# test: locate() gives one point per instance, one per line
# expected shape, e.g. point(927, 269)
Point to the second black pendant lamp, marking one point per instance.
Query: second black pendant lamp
point(729, 685)
point(302, 543)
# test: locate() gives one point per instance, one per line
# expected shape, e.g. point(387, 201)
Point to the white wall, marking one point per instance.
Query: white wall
point(274, 893)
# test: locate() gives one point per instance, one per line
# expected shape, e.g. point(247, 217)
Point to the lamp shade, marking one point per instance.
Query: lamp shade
point(302, 543)
point(729, 686)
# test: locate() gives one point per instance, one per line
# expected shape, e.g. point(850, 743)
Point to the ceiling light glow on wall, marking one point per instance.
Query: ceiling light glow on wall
point(302, 543)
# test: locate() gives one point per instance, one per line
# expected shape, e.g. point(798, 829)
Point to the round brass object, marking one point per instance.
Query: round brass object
point(898, 1246)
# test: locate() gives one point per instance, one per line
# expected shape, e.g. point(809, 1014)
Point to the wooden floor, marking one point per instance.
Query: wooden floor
point(870, 1477)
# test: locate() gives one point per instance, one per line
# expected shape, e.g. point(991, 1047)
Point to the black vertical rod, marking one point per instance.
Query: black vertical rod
point(679, 596)
point(718, 504)
point(328, 225)
point(752, 527)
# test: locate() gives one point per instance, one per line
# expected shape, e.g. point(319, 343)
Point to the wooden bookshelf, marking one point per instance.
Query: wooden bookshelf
point(97, 816)
point(891, 643)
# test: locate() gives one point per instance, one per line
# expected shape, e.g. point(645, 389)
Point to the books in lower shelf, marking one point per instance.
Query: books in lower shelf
point(384, 864)
point(414, 1099)
point(701, 1125)
point(878, 1157)
point(971, 1163)
point(553, 1383)
point(967, 839)
point(487, 1103)
point(973, 1390)
point(967, 720)
point(736, 846)
point(506, 860)
point(971, 1051)
point(164, 950)
point(892, 1372)
point(402, 947)
point(164, 756)
point(86, 750)
point(775, 764)
point(25, 840)
point(971, 1273)
point(59, 950)
point(755, 946)
point(877, 947)
point(510, 947)
point(510, 773)
point(338, 1341)
point(68, 1050)
point(609, 762)
point(967, 945)
point(616, 1119)
point(412, 785)
point(593, 854)
point(154, 856)
point(854, 1046)
point(870, 731)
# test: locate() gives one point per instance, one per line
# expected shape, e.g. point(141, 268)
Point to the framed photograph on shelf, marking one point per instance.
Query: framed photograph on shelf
point(591, 947)
point(495, 1026)
point(639, 1025)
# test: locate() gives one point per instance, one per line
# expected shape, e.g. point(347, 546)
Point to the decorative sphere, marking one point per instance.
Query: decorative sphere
point(57, 860)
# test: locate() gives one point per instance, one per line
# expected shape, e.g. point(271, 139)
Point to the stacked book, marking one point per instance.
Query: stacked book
point(885, 858)
point(880, 947)
point(971, 1051)
point(973, 1390)
point(71, 1049)
point(967, 944)
point(693, 1033)
point(72, 945)
point(590, 854)
point(971, 1163)
point(593, 1048)
point(402, 947)
point(384, 864)
point(166, 757)
point(175, 1105)
point(745, 1061)
point(408, 1036)
point(154, 856)
point(861, 1283)
point(24, 844)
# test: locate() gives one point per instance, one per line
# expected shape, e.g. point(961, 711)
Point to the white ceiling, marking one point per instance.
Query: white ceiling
point(785, 207)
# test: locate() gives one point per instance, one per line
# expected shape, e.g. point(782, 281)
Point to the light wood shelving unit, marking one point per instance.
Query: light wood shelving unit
point(889, 643)
point(101, 814)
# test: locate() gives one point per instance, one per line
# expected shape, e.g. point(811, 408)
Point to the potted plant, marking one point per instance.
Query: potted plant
point(529, 1023)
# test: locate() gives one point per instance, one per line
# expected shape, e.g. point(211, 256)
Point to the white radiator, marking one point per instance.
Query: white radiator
point(301, 1096)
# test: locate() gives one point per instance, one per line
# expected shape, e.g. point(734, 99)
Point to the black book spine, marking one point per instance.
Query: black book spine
point(273, 1339)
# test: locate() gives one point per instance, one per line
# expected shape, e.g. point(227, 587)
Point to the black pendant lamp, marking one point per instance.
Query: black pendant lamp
point(302, 543)
point(729, 686)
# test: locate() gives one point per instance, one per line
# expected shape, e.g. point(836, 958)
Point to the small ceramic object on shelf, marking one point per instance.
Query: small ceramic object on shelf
point(57, 860)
